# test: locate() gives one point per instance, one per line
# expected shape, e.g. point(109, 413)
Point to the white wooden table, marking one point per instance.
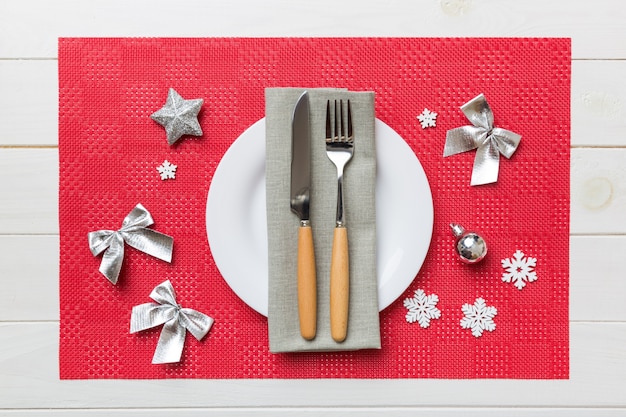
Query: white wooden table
point(29, 382)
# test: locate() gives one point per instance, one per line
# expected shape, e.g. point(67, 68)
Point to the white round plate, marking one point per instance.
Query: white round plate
point(237, 226)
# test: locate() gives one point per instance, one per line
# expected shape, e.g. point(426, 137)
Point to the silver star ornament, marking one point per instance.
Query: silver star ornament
point(179, 116)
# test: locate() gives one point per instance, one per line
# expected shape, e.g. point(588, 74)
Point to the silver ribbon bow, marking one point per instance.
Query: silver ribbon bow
point(177, 321)
point(133, 232)
point(491, 141)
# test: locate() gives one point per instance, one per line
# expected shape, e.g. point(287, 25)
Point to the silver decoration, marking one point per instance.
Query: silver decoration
point(491, 141)
point(470, 246)
point(176, 320)
point(134, 233)
point(179, 116)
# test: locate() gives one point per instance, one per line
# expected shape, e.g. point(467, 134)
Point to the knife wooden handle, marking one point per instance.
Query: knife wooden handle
point(307, 284)
point(339, 285)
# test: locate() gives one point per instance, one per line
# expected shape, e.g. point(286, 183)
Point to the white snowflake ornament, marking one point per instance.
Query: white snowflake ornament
point(478, 317)
point(519, 269)
point(427, 118)
point(167, 170)
point(422, 308)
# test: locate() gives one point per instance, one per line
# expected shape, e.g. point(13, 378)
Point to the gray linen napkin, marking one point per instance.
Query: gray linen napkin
point(360, 216)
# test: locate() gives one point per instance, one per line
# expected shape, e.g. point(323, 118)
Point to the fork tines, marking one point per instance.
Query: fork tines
point(339, 134)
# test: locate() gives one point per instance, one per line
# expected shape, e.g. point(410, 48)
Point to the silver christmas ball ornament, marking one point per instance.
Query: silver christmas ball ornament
point(470, 246)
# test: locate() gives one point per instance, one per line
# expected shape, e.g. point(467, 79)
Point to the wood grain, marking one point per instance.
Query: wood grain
point(29, 384)
point(307, 283)
point(29, 379)
point(331, 412)
point(598, 191)
point(597, 286)
point(598, 103)
point(598, 196)
point(31, 86)
point(596, 28)
point(29, 190)
point(339, 285)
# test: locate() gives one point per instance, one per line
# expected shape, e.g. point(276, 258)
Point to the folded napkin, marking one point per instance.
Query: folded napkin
point(360, 216)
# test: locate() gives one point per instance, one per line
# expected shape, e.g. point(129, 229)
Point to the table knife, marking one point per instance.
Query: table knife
point(300, 202)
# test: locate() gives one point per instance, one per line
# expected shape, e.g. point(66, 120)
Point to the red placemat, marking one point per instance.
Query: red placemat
point(109, 149)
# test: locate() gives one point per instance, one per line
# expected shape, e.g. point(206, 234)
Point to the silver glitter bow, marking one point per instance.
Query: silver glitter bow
point(491, 141)
point(177, 321)
point(133, 232)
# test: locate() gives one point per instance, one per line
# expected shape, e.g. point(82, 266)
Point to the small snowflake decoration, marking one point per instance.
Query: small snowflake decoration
point(519, 269)
point(167, 170)
point(422, 308)
point(427, 118)
point(478, 317)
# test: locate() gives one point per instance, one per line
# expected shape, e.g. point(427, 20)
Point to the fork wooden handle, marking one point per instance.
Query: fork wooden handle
point(339, 285)
point(307, 284)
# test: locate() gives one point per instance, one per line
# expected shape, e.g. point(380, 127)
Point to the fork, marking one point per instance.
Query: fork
point(339, 149)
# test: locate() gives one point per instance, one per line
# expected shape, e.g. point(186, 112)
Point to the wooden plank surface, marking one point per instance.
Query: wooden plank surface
point(29, 384)
point(30, 187)
point(598, 103)
point(29, 190)
point(331, 412)
point(596, 28)
point(29, 379)
point(597, 284)
point(31, 86)
point(598, 190)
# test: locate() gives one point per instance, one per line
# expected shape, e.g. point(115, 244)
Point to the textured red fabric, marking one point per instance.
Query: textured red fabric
point(109, 149)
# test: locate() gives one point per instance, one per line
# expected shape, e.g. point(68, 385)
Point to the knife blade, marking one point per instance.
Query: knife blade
point(300, 202)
